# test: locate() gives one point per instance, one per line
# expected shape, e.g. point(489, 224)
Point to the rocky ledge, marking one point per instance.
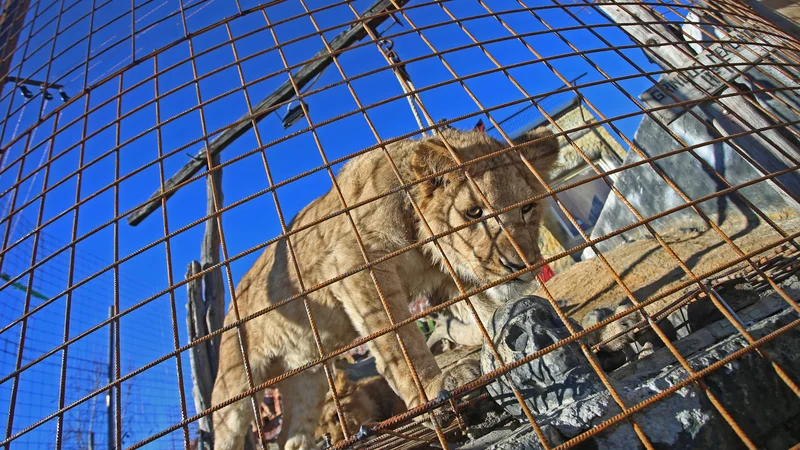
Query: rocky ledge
point(748, 388)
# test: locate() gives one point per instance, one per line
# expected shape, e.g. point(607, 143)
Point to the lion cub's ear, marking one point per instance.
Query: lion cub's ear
point(430, 157)
point(540, 147)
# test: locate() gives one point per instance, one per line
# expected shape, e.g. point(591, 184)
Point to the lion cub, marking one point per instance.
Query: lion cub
point(364, 401)
point(281, 339)
point(629, 346)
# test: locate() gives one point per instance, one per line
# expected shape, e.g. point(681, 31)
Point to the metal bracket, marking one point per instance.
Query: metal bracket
point(23, 84)
point(294, 114)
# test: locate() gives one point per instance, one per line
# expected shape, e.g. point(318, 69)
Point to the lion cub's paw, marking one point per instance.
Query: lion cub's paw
point(461, 374)
point(300, 442)
point(451, 379)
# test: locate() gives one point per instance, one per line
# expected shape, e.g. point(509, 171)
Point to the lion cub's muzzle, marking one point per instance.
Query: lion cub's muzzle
point(513, 267)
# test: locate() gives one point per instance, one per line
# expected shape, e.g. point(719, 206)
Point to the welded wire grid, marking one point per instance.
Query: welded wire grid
point(147, 82)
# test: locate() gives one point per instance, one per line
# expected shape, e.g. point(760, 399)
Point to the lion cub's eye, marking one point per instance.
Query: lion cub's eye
point(527, 208)
point(474, 212)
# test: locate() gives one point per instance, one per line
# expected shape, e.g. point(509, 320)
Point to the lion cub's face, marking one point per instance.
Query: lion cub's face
point(482, 253)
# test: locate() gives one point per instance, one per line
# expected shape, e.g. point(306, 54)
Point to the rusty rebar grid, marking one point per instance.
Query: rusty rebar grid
point(766, 274)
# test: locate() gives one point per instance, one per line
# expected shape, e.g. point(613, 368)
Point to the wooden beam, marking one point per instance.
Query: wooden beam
point(630, 18)
point(769, 12)
point(12, 18)
point(377, 13)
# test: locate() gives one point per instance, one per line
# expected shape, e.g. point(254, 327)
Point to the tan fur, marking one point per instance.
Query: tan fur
point(281, 340)
point(452, 329)
point(628, 346)
point(363, 402)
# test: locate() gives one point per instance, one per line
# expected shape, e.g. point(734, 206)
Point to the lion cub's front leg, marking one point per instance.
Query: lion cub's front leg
point(368, 314)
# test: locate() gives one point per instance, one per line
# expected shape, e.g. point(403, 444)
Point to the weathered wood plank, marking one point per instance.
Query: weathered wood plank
point(675, 53)
point(282, 94)
point(214, 286)
point(206, 308)
point(727, 124)
point(630, 18)
point(199, 359)
point(781, 22)
point(702, 81)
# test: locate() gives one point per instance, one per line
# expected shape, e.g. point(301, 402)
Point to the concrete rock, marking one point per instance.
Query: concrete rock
point(521, 328)
point(760, 403)
point(521, 438)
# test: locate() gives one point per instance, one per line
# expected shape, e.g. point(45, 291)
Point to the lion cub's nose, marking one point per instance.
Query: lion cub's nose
point(511, 266)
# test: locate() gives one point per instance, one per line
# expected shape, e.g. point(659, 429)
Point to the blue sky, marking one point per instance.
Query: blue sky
point(146, 333)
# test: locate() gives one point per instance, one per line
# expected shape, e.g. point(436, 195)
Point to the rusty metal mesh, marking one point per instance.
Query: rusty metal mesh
point(103, 100)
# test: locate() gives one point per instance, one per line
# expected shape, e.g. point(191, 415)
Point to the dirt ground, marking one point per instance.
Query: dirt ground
point(789, 8)
point(647, 269)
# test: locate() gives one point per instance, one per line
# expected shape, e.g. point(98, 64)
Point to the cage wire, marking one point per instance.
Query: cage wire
point(120, 119)
point(146, 401)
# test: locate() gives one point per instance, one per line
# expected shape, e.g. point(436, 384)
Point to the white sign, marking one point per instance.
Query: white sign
point(705, 80)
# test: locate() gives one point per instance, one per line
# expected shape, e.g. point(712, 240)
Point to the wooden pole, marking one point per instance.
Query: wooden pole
point(199, 359)
point(214, 286)
point(206, 315)
point(378, 12)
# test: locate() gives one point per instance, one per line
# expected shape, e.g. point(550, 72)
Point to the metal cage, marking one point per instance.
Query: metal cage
point(673, 116)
